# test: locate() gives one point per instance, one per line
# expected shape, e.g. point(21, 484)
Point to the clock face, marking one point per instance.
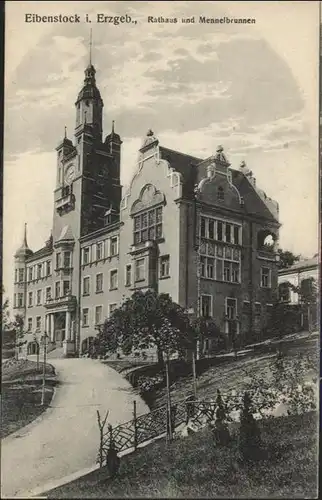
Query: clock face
point(69, 173)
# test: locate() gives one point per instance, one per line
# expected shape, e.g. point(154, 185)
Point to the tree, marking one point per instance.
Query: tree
point(18, 327)
point(146, 320)
point(206, 328)
point(287, 258)
point(307, 293)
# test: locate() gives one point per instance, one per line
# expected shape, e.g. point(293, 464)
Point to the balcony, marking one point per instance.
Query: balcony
point(66, 302)
point(63, 272)
point(267, 255)
point(65, 199)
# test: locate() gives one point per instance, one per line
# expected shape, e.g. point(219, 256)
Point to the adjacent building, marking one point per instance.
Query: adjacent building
point(195, 228)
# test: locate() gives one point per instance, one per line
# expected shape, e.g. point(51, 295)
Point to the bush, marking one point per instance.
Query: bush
point(249, 433)
point(150, 384)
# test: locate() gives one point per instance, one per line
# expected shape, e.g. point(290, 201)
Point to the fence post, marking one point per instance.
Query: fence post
point(194, 375)
point(135, 426)
point(168, 419)
point(101, 429)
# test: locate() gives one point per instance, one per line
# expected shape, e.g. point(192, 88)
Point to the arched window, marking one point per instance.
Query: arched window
point(220, 194)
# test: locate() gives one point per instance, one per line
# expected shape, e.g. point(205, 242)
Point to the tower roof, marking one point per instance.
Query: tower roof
point(24, 251)
point(89, 89)
point(113, 136)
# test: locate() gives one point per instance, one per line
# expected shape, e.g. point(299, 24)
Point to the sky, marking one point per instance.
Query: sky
point(252, 88)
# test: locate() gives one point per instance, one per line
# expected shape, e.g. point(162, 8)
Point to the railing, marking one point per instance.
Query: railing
point(153, 424)
point(64, 201)
point(64, 300)
point(267, 254)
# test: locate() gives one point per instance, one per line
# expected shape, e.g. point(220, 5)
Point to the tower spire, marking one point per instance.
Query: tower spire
point(25, 236)
point(113, 122)
point(90, 46)
point(65, 133)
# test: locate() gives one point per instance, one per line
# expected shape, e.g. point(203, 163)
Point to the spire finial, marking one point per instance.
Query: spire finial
point(90, 46)
point(65, 133)
point(25, 235)
point(113, 122)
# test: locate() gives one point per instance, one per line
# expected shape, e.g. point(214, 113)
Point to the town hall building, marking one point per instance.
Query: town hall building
point(195, 228)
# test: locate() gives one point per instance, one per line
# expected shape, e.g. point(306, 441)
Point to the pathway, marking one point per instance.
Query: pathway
point(65, 438)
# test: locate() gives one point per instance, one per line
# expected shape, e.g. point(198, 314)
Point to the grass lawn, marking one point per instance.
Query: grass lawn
point(21, 393)
point(227, 374)
point(193, 467)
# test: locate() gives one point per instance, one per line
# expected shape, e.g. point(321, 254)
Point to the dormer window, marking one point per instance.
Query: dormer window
point(220, 194)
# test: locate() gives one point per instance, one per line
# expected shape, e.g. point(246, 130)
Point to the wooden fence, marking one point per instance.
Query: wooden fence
point(150, 425)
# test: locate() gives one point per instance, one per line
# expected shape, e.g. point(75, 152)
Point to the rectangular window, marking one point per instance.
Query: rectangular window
point(211, 229)
point(111, 309)
point(99, 251)
point(66, 288)
point(29, 324)
point(85, 316)
point(48, 293)
point(30, 273)
point(58, 259)
point(206, 309)
point(20, 275)
point(231, 308)
point(228, 233)
point(219, 231)
point(38, 323)
point(39, 269)
point(113, 279)
point(30, 299)
point(128, 275)
point(14, 300)
point(227, 271)
point(48, 268)
point(164, 266)
point(86, 255)
point(265, 277)
point(139, 270)
point(246, 307)
point(235, 272)
point(210, 268)
point(203, 227)
point(98, 315)
point(236, 235)
point(20, 299)
point(38, 297)
point(148, 225)
point(57, 289)
point(16, 275)
point(258, 308)
point(284, 292)
point(203, 267)
point(113, 247)
point(67, 260)
point(99, 283)
point(86, 286)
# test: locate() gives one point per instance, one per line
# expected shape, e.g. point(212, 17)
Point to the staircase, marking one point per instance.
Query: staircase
point(56, 353)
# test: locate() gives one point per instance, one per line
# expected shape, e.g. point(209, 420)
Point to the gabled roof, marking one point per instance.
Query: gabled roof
point(302, 265)
point(255, 200)
point(186, 165)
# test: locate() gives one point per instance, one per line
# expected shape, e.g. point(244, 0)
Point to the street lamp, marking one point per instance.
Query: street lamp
point(44, 341)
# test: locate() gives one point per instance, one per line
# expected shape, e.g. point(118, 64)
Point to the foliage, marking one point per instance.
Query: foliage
point(287, 258)
point(221, 431)
point(5, 316)
point(284, 319)
point(150, 384)
point(249, 433)
point(284, 383)
point(146, 320)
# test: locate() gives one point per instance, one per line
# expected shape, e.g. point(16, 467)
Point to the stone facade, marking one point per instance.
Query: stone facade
point(191, 227)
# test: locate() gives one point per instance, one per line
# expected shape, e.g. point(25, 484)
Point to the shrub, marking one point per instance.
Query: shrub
point(249, 433)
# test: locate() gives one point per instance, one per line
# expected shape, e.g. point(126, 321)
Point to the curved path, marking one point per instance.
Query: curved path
point(65, 438)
